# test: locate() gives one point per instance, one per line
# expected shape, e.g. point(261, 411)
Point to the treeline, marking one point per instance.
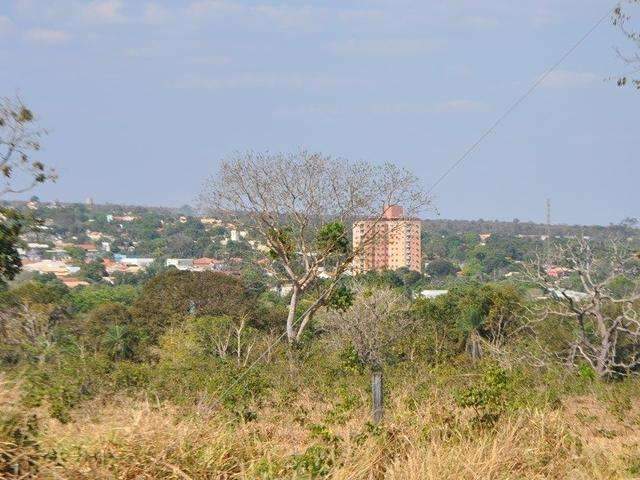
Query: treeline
point(516, 227)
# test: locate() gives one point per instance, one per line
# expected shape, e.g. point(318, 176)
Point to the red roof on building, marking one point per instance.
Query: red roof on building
point(207, 261)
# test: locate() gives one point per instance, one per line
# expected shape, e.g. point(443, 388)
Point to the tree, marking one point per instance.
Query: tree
point(473, 316)
point(120, 342)
point(441, 267)
point(19, 139)
point(93, 271)
point(29, 316)
point(224, 336)
point(622, 19)
point(85, 299)
point(173, 295)
point(302, 204)
point(605, 313)
point(376, 321)
point(10, 230)
point(76, 253)
point(101, 318)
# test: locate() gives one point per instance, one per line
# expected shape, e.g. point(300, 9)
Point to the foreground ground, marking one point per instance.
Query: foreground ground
point(591, 430)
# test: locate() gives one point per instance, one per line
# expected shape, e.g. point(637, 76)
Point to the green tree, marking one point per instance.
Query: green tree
point(10, 230)
point(85, 299)
point(76, 253)
point(49, 292)
point(171, 296)
point(475, 314)
point(119, 342)
point(440, 268)
point(93, 271)
point(105, 315)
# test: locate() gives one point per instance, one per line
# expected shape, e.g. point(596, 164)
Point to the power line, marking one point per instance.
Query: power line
point(518, 101)
point(547, 243)
point(470, 150)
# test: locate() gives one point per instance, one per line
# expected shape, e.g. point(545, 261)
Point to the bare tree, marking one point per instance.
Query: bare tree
point(303, 205)
point(604, 310)
point(29, 326)
point(19, 139)
point(377, 320)
point(226, 336)
point(623, 20)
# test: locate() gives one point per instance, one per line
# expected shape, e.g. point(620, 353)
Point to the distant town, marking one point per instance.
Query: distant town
point(85, 243)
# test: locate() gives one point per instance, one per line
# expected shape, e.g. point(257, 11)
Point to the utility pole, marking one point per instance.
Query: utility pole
point(547, 244)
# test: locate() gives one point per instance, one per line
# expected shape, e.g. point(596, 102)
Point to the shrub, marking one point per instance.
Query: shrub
point(487, 397)
point(19, 428)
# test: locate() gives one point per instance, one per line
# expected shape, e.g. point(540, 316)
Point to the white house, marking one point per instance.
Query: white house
point(138, 262)
point(180, 263)
point(433, 293)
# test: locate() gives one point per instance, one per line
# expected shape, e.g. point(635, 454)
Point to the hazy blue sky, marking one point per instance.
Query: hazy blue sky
point(143, 98)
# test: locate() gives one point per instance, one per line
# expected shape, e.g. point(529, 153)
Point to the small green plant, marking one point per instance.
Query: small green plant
point(346, 403)
point(322, 432)
point(586, 373)
point(488, 397)
point(370, 430)
point(633, 466)
point(268, 470)
point(350, 362)
point(315, 462)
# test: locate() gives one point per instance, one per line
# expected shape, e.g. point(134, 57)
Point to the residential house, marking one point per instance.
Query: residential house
point(433, 293)
point(202, 264)
point(73, 282)
point(180, 263)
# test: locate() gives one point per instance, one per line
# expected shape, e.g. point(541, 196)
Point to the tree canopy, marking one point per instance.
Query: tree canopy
point(172, 295)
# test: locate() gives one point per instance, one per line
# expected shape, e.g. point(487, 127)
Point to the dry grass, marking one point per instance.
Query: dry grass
point(125, 439)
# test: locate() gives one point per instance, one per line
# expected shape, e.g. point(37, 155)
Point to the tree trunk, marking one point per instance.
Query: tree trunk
point(293, 303)
point(376, 391)
point(602, 361)
point(313, 309)
point(473, 346)
point(303, 324)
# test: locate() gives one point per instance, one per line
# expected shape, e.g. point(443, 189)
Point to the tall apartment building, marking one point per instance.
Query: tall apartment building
point(389, 242)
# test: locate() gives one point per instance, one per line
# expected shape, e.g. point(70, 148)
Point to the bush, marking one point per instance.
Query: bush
point(20, 451)
point(487, 397)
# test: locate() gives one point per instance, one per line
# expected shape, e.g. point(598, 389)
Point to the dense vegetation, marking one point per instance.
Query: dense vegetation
point(182, 377)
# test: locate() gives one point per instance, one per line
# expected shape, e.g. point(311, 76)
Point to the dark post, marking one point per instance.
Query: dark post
point(376, 390)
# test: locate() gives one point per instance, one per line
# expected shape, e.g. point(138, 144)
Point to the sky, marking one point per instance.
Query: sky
point(143, 98)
